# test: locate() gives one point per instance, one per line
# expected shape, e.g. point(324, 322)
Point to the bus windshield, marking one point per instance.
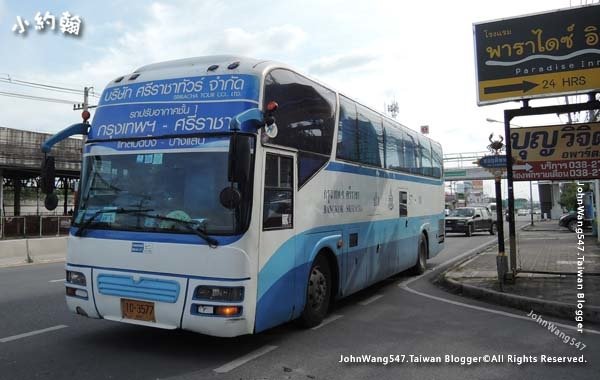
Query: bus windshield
point(176, 184)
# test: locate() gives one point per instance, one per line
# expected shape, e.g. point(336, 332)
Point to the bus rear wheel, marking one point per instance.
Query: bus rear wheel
point(421, 264)
point(318, 293)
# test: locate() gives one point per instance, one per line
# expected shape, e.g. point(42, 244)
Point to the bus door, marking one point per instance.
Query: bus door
point(404, 231)
point(277, 245)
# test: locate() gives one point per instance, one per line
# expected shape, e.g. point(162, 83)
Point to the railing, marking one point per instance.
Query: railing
point(462, 160)
point(12, 227)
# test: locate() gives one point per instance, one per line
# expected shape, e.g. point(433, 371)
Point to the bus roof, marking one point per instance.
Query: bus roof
point(197, 66)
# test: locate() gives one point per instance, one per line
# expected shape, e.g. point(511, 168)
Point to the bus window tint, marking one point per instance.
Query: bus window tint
point(425, 150)
point(437, 158)
point(347, 144)
point(411, 153)
point(370, 137)
point(305, 117)
point(279, 194)
point(394, 147)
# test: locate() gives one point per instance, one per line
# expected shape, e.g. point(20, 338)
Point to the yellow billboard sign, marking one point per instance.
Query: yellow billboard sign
point(557, 152)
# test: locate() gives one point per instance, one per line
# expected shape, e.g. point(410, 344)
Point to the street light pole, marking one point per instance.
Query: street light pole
point(531, 202)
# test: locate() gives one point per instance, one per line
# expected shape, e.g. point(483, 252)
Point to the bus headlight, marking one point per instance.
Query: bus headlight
point(76, 278)
point(219, 293)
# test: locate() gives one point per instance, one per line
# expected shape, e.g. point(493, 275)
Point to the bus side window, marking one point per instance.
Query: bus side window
point(403, 203)
point(279, 192)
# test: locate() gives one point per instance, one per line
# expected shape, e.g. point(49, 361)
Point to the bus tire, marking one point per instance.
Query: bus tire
point(422, 251)
point(318, 293)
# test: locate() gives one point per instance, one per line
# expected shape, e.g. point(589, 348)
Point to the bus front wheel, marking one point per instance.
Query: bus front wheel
point(318, 293)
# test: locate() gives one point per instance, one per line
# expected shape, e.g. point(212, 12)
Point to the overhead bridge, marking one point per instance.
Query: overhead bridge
point(20, 161)
point(463, 167)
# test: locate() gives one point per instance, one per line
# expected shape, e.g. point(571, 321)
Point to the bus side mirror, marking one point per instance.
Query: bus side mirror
point(47, 175)
point(238, 168)
point(51, 201)
point(230, 198)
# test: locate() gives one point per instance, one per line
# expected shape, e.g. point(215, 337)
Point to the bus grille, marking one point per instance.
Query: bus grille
point(146, 288)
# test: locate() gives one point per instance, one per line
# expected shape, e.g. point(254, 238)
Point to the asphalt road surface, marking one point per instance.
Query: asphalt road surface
point(400, 317)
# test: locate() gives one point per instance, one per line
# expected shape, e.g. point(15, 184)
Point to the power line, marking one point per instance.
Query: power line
point(43, 86)
point(33, 97)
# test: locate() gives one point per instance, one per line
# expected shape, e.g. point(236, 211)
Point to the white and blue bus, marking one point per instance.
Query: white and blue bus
point(227, 195)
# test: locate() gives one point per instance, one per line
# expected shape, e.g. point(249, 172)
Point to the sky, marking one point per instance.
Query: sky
point(419, 54)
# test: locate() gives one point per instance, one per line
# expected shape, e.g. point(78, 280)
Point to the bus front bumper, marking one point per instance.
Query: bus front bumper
point(161, 301)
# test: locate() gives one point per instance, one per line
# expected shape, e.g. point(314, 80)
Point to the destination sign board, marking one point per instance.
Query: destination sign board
point(542, 55)
point(558, 152)
point(177, 106)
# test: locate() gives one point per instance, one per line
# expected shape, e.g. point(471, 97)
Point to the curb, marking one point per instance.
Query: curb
point(553, 308)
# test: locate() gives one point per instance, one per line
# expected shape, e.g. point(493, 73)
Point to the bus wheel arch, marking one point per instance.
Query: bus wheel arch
point(320, 288)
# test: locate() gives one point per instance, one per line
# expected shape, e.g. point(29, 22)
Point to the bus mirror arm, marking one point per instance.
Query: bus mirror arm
point(252, 115)
point(75, 129)
point(256, 117)
point(48, 169)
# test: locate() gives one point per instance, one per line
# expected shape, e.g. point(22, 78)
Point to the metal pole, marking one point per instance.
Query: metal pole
point(531, 202)
point(501, 262)
point(512, 233)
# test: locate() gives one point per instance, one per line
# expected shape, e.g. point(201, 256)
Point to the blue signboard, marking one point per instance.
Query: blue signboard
point(178, 106)
point(495, 161)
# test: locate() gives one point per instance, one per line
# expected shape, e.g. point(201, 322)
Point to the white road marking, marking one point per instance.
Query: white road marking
point(244, 359)
point(503, 313)
point(404, 285)
point(59, 280)
point(370, 300)
point(31, 333)
point(327, 321)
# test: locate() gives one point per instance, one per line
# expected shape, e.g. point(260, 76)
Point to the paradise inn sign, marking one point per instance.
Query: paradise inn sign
point(541, 55)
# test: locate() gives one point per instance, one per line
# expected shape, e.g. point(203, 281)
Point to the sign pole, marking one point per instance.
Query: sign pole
point(501, 263)
point(511, 194)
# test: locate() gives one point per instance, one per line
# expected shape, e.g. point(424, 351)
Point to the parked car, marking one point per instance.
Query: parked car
point(522, 212)
point(468, 220)
point(570, 221)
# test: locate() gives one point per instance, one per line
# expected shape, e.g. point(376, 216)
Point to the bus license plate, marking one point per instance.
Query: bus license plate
point(139, 310)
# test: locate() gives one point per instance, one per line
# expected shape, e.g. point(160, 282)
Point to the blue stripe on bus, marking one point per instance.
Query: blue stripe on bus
point(155, 237)
point(381, 173)
point(282, 281)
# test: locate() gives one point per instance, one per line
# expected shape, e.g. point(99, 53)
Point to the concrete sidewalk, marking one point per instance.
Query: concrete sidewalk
point(544, 247)
point(37, 250)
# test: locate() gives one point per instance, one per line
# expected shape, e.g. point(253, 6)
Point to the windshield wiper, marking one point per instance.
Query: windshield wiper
point(86, 223)
point(189, 224)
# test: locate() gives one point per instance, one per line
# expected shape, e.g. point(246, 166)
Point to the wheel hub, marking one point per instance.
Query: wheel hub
point(317, 288)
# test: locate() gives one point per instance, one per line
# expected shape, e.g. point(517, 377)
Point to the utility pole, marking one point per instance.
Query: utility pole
point(85, 105)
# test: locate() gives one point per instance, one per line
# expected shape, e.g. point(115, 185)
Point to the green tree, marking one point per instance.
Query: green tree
point(568, 195)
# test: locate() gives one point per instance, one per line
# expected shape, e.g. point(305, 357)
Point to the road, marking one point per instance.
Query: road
point(403, 315)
